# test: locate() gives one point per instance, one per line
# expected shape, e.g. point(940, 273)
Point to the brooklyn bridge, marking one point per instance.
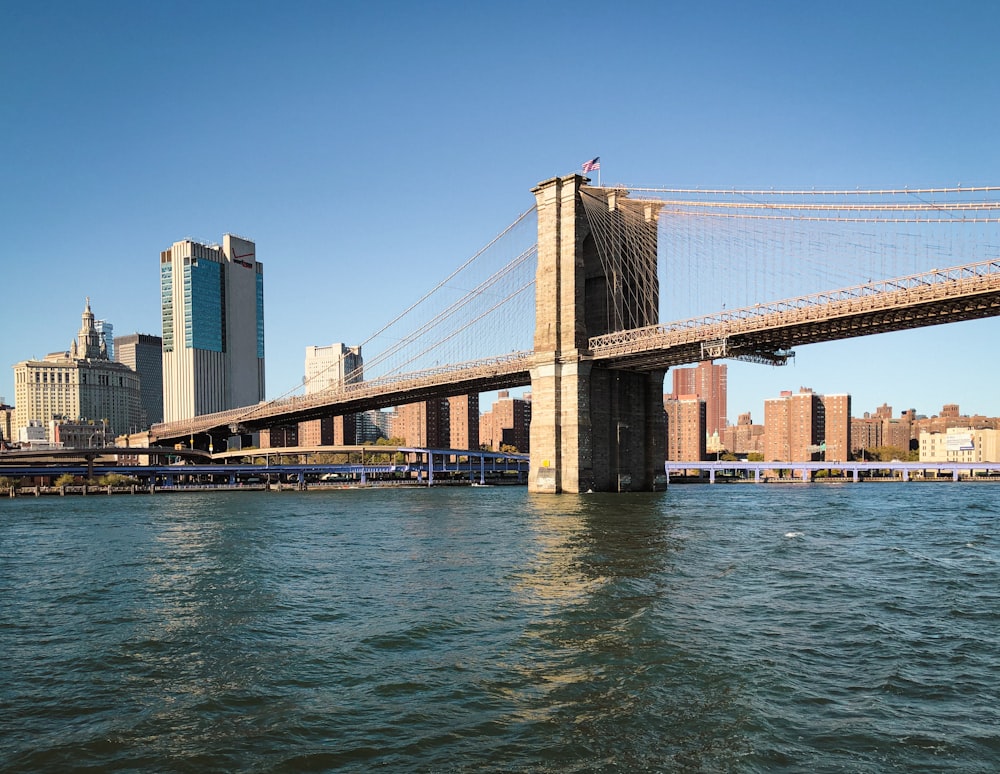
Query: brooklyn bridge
point(594, 292)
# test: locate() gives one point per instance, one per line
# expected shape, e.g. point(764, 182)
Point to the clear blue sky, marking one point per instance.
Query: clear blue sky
point(370, 147)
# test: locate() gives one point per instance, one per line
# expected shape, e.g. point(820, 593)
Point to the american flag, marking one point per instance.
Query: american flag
point(594, 163)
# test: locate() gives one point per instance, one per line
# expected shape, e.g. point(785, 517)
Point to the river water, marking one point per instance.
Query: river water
point(742, 628)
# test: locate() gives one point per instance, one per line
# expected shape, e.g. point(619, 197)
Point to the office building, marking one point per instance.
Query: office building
point(212, 302)
point(327, 368)
point(960, 444)
point(106, 336)
point(332, 366)
point(78, 385)
point(7, 430)
point(143, 353)
point(67, 434)
point(373, 425)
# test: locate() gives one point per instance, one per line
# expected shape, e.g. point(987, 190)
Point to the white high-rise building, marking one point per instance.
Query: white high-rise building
point(332, 366)
point(212, 302)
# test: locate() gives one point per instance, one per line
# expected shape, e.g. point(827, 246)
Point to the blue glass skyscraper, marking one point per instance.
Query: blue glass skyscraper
point(212, 304)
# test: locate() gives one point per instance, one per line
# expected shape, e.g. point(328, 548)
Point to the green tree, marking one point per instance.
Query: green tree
point(885, 453)
point(7, 483)
point(116, 479)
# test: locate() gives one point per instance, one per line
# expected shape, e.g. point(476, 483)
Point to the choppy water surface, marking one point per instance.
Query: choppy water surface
point(712, 628)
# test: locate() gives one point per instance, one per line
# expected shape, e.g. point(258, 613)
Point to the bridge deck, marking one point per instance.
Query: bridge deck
point(769, 331)
point(493, 374)
point(765, 332)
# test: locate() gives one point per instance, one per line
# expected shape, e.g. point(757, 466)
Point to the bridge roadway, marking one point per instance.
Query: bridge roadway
point(423, 463)
point(805, 471)
point(763, 332)
point(41, 456)
point(767, 332)
point(495, 373)
point(40, 459)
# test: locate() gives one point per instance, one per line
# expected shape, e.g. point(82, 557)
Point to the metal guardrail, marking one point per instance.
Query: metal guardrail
point(936, 285)
point(501, 365)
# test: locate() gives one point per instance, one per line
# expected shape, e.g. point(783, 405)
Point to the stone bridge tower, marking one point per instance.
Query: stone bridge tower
point(592, 427)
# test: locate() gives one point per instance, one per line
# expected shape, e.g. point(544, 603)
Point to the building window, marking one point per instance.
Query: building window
point(167, 305)
point(260, 316)
point(203, 315)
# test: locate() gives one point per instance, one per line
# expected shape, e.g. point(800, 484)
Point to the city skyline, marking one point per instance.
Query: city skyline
point(295, 142)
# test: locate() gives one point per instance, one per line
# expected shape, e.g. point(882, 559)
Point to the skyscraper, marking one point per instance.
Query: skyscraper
point(106, 335)
point(212, 303)
point(144, 355)
point(332, 366)
point(327, 368)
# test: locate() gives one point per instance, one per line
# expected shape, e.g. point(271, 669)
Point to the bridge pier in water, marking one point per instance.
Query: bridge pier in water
point(593, 427)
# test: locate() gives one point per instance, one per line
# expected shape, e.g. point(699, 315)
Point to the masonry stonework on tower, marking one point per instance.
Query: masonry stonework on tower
point(593, 427)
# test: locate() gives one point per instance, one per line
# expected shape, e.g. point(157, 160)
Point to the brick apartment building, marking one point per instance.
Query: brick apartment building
point(685, 428)
point(507, 423)
point(806, 426)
